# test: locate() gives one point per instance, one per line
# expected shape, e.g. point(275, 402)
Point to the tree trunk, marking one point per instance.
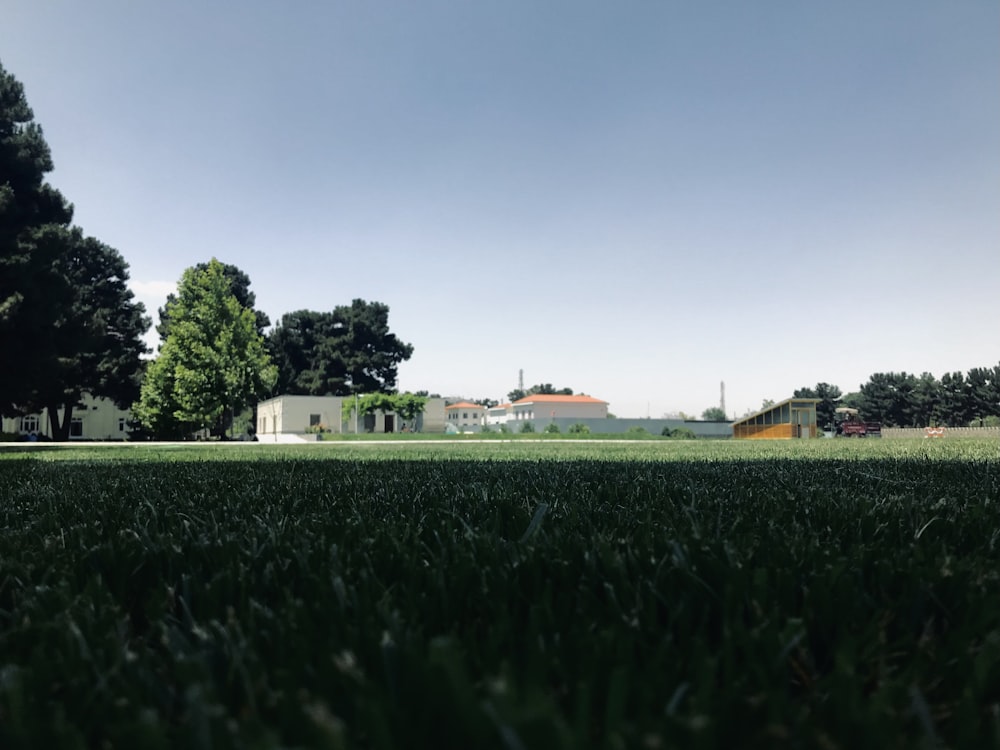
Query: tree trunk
point(60, 432)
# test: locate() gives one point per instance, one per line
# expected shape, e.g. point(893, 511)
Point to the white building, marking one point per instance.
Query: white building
point(540, 407)
point(498, 415)
point(464, 416)
point(301, 415)
point(93, 419)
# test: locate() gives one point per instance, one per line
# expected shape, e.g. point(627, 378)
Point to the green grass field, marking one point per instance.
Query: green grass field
point(650, 594)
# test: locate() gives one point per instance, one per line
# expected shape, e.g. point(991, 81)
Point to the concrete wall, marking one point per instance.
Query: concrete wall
point(622, 425)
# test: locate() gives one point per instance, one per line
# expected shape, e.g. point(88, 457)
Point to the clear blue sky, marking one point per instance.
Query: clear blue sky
point(637, 200)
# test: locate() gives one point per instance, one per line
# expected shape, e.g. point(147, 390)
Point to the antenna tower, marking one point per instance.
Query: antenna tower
point(520, 379)
point(722, 396)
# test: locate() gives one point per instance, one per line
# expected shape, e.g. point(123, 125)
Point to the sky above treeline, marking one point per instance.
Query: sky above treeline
point(635, 200)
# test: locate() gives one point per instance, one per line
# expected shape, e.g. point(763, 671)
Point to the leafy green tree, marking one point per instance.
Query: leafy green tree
point(349, 350)
point(527, 427)
point(714, 414)
point(212, 362)
point(409, 407)
point(579, 428)
point(239, 284)
point(551, 429)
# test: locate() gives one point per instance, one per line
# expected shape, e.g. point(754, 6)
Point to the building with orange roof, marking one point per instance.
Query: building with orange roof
point(540, 408)
point(464, 416)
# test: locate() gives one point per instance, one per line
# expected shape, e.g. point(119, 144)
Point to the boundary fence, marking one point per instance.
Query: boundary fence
point(922, 432)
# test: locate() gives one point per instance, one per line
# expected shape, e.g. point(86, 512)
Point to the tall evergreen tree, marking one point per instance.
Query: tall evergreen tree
point(65, 307)
point(28, 204)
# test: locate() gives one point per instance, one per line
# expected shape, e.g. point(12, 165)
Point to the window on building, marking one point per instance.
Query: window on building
point(29, 423)
point(465, 415)
point(313, 420)
point(76, 427)
point(121, 424)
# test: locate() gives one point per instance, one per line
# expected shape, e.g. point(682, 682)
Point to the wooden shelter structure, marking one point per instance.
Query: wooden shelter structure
point(791, 418)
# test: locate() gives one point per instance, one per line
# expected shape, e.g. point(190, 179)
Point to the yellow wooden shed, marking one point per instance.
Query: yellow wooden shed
point(791, 418)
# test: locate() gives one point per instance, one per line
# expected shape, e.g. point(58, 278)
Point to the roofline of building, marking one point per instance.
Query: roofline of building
point(774, 406)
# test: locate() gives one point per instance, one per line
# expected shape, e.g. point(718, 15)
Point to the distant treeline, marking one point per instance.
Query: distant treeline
point(902, 399)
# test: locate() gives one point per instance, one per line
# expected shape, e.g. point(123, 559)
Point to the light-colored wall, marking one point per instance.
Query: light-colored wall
point(621, 425)
point(542, 411)
point(100, 421)
point(497, 417)
point(433, 418)
point(290, 414)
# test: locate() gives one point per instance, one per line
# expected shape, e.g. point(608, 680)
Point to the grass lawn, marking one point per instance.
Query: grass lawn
point(501, 594)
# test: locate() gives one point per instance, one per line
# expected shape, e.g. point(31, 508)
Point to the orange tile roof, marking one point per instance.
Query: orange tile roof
point(464, 405)
point(551, 398)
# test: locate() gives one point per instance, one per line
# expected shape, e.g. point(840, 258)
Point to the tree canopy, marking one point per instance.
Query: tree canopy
point(65, 307)
point(349, 350)
point(213, 361)
point(902, 399)
point(714, 414)
point(239, 285)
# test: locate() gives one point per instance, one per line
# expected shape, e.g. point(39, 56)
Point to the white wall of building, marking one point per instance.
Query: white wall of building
point(94, 419)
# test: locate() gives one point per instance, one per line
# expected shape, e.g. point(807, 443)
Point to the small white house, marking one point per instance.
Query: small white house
point(464, 416)
point(499, 414)
point(301, 415)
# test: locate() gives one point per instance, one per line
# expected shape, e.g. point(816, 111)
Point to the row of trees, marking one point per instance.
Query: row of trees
point(69, 325)
point(901, 399)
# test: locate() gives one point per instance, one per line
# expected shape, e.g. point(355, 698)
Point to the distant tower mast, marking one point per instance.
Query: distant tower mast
point(722, 396)
point(520, 379)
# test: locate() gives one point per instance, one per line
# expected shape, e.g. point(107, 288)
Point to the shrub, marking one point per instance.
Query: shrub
point(579, 429)
point(681, 433)
point(636, 430)
point(527, 427)
point(486, 429)
point(504, 429)
point(551, 429)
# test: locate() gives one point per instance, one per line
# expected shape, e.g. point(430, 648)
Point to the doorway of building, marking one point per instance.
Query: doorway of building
point(390, 422)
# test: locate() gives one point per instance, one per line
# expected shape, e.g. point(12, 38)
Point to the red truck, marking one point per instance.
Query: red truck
point(850, 424)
